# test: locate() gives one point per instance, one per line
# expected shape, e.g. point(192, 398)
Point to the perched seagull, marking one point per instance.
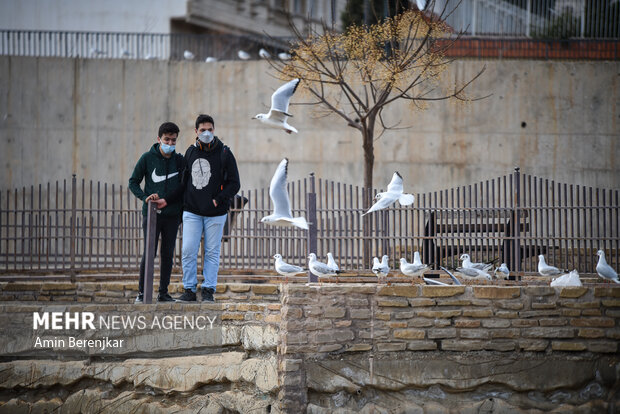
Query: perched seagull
point(381, 269)
point(421, 4)
point(480, 266)
point(148, 56)
point(278, 113)
point(282, 215)
point(473, 273)
point(331, 262)
point(284, 56)
point(544, 269)
point(125, 52)
point(503, 271)
point(604, 270)
point(394, 192)
point(243, 55)
point(413, 269)
point(264, 54)
point(210, 59)
point(569, 279)
point(96, 52)
point(320, 269)
point(456, 281)
point(286, 269)
point(187, 55)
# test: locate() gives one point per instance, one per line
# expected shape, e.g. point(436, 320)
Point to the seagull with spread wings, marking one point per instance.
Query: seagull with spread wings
point(282, 215)
point(394, 192)
point(278, 114)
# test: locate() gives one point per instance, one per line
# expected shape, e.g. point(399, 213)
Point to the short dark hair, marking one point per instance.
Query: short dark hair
point(168, 128)
point(202, 118)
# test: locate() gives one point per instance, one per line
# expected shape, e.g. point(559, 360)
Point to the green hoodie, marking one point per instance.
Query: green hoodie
point(162, 176)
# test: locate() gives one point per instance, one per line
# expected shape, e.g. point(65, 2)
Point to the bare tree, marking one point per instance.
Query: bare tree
point(359, 73)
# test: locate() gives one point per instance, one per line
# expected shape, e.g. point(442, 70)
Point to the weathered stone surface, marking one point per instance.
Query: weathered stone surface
point(609, 292)
point(573, 292)
point(260, 338)
point(496, 292)
point(402, 291)
point(442, 291)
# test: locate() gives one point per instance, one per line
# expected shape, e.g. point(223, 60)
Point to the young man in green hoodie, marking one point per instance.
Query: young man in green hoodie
point(161, 169)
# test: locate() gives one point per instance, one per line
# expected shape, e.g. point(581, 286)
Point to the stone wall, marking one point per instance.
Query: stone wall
point(346, 348)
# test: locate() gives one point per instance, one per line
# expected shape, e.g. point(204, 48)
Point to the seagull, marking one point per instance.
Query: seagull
point(569, 279)
point(394, 192)
point(284, 56)
point(435, 282)
point(331, 262)
point(278, 113)
point(480, 266)
point(187, 55)
point(544, 269)
point(421, 4)
point(473, 273)
point(413, 269)
point(125, 52)
point(243, 55)
point(210, 59)
point(282, 215)
point(264, 54)
point(96, 52)
point(381, 269)
point(604, 270)
point(286, 269)
point(503, 271)
point(320, 269)
point(148, 56)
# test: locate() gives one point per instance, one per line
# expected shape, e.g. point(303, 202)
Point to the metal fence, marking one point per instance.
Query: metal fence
point(88, 226)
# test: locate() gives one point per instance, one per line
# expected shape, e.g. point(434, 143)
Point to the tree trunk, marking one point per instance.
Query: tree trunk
point(369, 161)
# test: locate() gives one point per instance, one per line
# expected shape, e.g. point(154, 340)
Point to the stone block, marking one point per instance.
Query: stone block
point(290, 300)
point(533, 345)
point(274, 306)
point(539, 291)
point(342, 324)
point(496, 292)
point(540, 305)
point(453, 302)
point(442, 291)
point(573, 292)
point(420, 323)
point(579, 305)
point(539, 313)
point(594, 322)
point(393, 303)
point(466, 323)
point(291, 313)
point(613, 333)
point(570, 312)
point(611, 303)
point(505, 333)
point(603, 346)
point(421, 345)
point(439, 313)
point(358, 302)
point(383, 316)
point(421, 302)
point(478, 313)
point(474, 333)
point(591, 333)
point(568, 346)
point(330, 348)
point(495, 323)
point(310, 311)
point(409, 333)
point(440, 333)
point(402, 291)
point(218, 289)
point(377, 333)
point(334, 312)
point(359, 348)
point(442, 323)
point(290, 365)
point(462, 345)
point(509, 304)
point(332, 335)
point(500, 345)
point(394, 325)
point(403, 314)
point(550, 332)
point(607, 292)
point(391, 347)
point(232, 316)
point(552, 322)
point(265, 289)
point(591, 312)
point(504, 314)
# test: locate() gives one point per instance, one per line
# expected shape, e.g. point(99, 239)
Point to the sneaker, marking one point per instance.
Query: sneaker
point(165, 297)
point(140, 298)
point(188, 296)
point(207, 294)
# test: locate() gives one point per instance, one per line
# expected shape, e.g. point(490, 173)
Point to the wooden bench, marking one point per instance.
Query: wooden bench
point(487, 232)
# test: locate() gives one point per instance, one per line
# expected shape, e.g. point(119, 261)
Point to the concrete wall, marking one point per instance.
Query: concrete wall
point(557, 120)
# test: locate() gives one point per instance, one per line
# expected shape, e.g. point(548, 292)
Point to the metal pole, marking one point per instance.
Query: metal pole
point(517, 220)
point(73, 232)
point(312, 232)
point(528, 18)
point(149, 251)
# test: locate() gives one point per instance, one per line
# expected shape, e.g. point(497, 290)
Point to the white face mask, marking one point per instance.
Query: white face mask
point(206, 137)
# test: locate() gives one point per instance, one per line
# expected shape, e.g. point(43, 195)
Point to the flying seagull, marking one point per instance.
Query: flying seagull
point(278, 114)
point(480, 266)
point(320, 269)
point(286, 269)
point(394, 192)
point(243, 55)
point(282, 215)
point(331, 262)
point(544, 269)
point(604, 270)
point(421, 4)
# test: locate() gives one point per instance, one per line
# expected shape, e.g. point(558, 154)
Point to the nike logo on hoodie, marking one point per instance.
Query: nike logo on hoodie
point(159, 178)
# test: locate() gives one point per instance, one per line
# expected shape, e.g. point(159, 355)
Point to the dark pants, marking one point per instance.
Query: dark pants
point(167, 227)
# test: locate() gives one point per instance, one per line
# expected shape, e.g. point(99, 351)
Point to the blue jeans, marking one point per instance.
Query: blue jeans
point(193, 228)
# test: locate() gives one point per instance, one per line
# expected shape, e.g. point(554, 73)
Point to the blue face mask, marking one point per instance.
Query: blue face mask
point(206, 137)
point(167, 149)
